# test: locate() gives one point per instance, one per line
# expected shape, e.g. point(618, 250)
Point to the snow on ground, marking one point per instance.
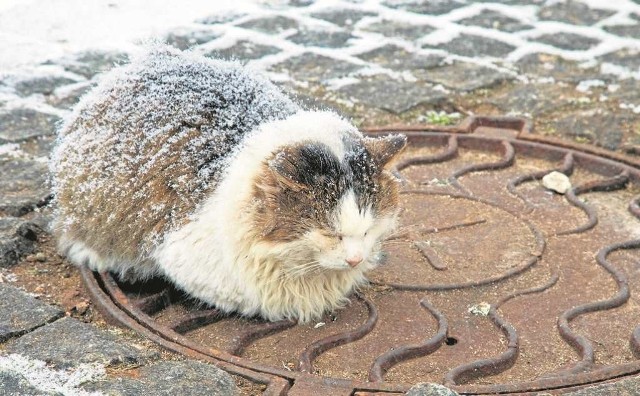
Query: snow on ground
point(33, 31)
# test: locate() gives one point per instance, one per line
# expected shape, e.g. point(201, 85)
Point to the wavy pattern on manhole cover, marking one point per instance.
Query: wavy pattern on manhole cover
point(493, 284)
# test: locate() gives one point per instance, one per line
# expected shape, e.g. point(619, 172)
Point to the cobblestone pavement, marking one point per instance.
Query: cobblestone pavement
point(572, 66)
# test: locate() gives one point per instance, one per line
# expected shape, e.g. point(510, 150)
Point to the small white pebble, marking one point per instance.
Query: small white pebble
point(481, 309)
point(319, 325)
point(556, 181)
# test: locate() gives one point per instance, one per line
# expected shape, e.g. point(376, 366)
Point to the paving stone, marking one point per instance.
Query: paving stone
point(342, 17)
point(531, 100)
point(632, 31)
point(433, 7)
point(624, 387)
point(321, 38)
point(184, 39)
point(495, 20)
point(476, 46)
point(272, 25)
point(402, 30)
point(68, 342)
point(594, 126)
point(395, 96)
point(23, 185)
point(573, 13)
point(546, 65)
point(313, 67)
point(221, 18)
point(41, 85)
point(15, 385)
point(90, 63)
point(429, 389)
point(568, 41)
point(463, 76)
point(171, 378)
point(629, 58)
point(17, 238)
point(244, 50)
point(20, 123)
point(21, 313)
point(397, 58)
point(67, 97)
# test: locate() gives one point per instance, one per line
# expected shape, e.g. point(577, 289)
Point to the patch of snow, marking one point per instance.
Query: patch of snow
point(586, 85)
point(46, 379)
point(629, 106)
point(11, 150)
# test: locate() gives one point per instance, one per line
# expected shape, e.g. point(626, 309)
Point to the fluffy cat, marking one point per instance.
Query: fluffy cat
point(202, 172)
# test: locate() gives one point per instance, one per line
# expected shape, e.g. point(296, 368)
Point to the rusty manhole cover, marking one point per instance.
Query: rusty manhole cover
point(492, 285)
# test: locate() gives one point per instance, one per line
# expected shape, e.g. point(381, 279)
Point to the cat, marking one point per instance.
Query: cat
point(203, 172)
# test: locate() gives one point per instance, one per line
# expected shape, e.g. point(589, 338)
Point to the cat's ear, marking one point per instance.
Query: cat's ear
point(285, 171)
point(384, 149)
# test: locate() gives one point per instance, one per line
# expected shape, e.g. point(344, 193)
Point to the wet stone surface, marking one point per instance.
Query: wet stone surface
point(51, 344)
point(546, 65)
point(17, 238)
point(178, 378)
point(21, 313)
point(595, 126)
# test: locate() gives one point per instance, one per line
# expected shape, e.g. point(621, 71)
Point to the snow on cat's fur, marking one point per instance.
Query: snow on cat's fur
point(202, 172)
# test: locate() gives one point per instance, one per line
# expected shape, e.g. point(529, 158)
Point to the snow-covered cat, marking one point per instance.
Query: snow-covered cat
point(202, 172)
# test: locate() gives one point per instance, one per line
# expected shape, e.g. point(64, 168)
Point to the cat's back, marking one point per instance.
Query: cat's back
point(141, 151)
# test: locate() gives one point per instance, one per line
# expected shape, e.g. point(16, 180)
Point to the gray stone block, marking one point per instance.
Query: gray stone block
point(17, 238)
point(313, 67)
point(573, 12)
point(495, 20)
point(398, 59)
point(68, 342)
point(41, 85)
point(403, 30)
point(21, 313)
point(90, 63)
point(185, 39)
point(271, 25)
point(319, 38)
point(171, 378)
point(395, 96)
point(342, 17)
point(568, 41)
point(464, 76)
point(19, 124)
point(426, 7)
point(15, 385)
point(244, 50)
point(23, 185)
point(476, 47)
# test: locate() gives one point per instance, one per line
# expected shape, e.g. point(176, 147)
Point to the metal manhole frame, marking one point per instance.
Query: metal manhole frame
point(118, 309)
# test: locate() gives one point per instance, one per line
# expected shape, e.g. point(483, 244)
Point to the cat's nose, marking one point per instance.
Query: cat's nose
point(354, 260)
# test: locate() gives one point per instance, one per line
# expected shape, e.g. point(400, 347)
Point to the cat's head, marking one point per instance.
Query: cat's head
point(330, 213)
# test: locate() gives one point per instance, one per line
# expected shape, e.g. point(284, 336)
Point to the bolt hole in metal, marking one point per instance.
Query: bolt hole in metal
point(534, 285)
